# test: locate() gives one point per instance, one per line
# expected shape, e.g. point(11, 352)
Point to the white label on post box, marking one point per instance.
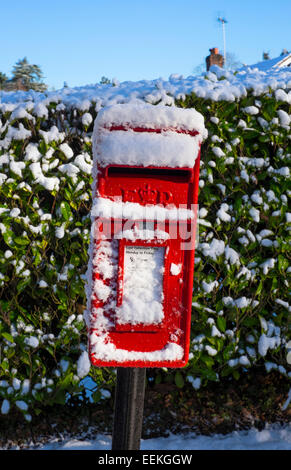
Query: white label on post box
point(142, 301)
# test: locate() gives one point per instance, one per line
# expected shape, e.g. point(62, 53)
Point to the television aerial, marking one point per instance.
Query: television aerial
point(223, 22)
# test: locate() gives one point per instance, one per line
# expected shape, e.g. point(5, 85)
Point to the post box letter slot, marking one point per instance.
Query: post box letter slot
point(171, 174)
point(141, 279)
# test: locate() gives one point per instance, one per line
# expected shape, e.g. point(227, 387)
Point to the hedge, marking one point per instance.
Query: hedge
point(241, 313)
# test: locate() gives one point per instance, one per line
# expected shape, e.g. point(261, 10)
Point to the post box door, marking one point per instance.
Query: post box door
point(142, 285)
point(149, 285)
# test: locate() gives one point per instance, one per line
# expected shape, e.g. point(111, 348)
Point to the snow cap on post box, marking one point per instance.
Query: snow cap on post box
point(135, 142)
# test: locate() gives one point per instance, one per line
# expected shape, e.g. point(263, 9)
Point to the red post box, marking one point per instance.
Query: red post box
point(140, 272)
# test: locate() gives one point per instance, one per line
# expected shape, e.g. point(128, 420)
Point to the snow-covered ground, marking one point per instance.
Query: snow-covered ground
point(273, 437)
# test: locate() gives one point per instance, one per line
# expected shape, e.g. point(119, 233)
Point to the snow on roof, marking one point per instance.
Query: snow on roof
point(277, 62)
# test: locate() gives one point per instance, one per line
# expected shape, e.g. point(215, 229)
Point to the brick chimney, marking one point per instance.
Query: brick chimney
point(214, 58)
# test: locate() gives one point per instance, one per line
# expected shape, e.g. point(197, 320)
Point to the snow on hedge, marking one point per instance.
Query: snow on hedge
point(241, 304)
point(215, 85)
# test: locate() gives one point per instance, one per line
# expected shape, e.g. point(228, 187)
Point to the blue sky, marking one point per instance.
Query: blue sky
point(79, 41)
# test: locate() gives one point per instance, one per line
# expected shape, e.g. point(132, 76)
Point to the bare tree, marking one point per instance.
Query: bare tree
point(232, 63)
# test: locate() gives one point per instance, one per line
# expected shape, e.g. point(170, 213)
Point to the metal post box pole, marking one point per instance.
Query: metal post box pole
point(128, 412)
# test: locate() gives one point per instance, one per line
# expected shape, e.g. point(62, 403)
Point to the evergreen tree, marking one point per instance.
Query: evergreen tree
point(29, 74)
point(3, 79)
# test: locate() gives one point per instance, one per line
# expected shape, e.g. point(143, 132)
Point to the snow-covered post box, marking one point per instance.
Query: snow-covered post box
point(140, 274)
